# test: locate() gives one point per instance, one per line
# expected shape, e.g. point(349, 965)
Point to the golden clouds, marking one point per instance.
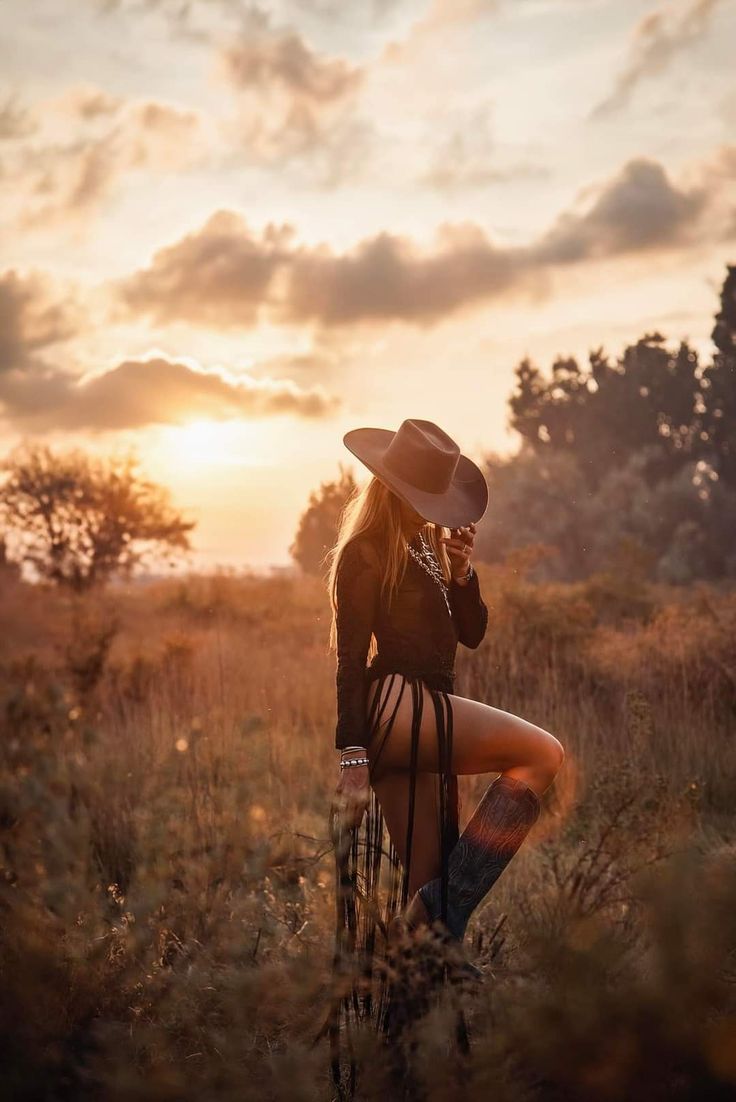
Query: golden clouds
point(638, 209)
point(87, 102)
point(33, 317)
point(226, 274)
point(206, 209)
point(283, 59)
point(220, 275)
point(439, 17)
point(658, 38)
point(293, 101)
point(16, 120)
point(37, 394)
point(137, 393)
point(162, 391)
point(467, 156)
point(85, 142)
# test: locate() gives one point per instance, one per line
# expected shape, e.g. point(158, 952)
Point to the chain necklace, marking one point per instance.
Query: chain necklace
point(428, 562)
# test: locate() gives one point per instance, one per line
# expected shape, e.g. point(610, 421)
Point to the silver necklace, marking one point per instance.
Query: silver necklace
point(428, 562)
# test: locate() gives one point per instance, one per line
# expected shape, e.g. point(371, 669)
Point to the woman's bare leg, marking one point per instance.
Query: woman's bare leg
point(484, 740)
point(392, 792)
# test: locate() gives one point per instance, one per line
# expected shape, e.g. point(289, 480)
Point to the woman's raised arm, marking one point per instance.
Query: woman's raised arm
point(469, 611)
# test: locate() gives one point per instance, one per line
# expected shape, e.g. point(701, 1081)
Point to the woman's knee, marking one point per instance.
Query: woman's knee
point(551, 755)
point(545, 762)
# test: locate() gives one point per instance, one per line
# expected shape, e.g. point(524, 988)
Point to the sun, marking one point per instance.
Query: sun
point(202, 441)
point(202, 444)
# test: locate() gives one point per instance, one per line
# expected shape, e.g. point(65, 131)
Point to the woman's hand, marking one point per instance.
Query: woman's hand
point(459, 547)
point(352, 796)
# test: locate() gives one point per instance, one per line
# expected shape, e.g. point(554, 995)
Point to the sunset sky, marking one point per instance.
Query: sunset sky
point(231, 232)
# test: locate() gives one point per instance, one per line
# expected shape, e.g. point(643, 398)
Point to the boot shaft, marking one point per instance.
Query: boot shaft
point(504, 816)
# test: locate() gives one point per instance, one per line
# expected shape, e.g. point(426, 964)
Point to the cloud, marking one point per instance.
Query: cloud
point(639, 209)
point(178, 15)
point(219, 275)
point(293, 105)
point(467, 157)
point(198, 22)
point(722, 163)
point(293, 102)
point(659, 37)
point(386, 277)
point(71, 179)
point(36, 394)
point(32, 318)
point(86, 101)
point(720, 170)
point(137, 393)
point(226, 274)
point(439, 18)
point(16, 121)
point(266, 59)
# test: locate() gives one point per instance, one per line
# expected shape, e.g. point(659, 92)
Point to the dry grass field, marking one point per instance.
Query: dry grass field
point(167, 880)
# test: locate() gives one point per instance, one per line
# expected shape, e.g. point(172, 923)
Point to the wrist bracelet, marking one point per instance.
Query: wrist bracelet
point(468, 576)
point(344, 749)
point(354, 761)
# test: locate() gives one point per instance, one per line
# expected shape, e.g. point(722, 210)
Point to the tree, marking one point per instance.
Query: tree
point(77, 520)
point(536, 500)
point(680, 527)
point(681, 521)
point(651, 396)
point(719, 382)
point(638, 453)
point(318, 524)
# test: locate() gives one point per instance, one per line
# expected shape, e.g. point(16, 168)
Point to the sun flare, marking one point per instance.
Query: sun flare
point(203, 441)
point(204, 444)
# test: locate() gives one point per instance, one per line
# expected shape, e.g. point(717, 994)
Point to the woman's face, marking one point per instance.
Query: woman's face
point(412, 520)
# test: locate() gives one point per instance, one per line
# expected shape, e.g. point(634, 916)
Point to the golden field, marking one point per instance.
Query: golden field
point(167, 889)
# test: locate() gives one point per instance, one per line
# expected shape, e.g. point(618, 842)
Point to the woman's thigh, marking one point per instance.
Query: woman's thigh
point(392, 792)
point(484, 739)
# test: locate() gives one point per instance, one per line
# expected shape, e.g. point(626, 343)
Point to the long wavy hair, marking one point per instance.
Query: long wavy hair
point(376, 510)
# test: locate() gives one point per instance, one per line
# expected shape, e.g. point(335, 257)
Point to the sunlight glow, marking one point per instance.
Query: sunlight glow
point(208, 443)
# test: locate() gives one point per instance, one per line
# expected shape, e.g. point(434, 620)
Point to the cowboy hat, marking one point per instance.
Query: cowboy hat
point(426, 468)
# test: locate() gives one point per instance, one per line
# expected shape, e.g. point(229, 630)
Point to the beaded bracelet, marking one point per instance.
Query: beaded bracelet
point(354, 761)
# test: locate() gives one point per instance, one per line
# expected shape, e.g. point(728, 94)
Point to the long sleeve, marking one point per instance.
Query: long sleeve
point(357, 594)
point(469, 611)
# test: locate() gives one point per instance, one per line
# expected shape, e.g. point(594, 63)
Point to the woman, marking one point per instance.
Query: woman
point(403, 735)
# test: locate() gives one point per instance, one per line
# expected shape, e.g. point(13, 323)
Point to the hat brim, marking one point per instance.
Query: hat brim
point(463, 502)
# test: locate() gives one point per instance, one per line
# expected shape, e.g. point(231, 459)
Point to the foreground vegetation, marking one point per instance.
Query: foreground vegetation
point(167, 893)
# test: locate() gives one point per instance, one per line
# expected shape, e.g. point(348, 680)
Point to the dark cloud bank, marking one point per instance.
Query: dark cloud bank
point(36, 395)
point(228, 275)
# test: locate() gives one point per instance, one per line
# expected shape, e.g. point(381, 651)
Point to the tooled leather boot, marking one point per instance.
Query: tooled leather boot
point(500, 823)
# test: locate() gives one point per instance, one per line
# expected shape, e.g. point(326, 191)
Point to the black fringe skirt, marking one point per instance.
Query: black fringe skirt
point(371, 885)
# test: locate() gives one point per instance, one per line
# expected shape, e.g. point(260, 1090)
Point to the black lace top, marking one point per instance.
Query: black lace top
point(416, 636)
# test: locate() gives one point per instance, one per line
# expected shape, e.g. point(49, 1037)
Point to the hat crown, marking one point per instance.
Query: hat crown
point(422, 454)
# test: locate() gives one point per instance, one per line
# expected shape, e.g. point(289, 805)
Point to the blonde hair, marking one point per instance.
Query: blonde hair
point(376, 510)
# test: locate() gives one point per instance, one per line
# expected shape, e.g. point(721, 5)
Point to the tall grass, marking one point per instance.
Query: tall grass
point(167, 895)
